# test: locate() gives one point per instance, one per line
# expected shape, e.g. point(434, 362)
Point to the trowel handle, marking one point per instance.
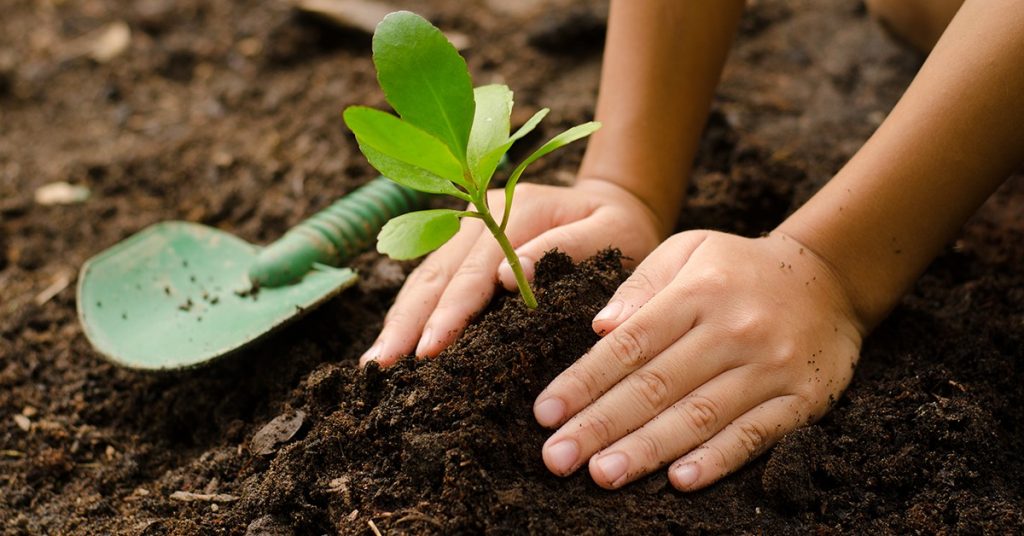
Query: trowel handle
point(335, 234)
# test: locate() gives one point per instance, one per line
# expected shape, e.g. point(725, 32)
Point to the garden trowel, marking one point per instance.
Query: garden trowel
point(178, 294)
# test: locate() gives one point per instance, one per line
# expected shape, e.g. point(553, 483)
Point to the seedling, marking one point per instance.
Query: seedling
point(448, 139)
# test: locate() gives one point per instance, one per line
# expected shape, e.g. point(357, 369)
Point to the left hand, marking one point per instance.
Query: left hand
point(713, 349)
point(455, 282)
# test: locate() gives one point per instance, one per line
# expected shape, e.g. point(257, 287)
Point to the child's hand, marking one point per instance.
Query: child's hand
point(458, 280)
point(716, 347)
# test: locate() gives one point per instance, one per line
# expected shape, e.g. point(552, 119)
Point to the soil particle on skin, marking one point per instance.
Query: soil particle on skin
point(226, 114)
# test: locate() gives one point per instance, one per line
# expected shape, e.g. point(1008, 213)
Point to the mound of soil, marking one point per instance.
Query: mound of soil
point(226, 114)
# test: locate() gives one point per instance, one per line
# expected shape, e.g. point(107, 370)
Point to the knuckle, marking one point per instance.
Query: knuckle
point(581, 384)
point(699, 414)
point(428, 274)
point(650, 449)
point(782, 354)
point(712, 279)
point(748, 326)
point(650, 386)
point(676, 241)
point(565, 213)
point(599, 426)
point(752, 437)
point(804, 409)
point(474, 268)
point(628, 345)
point(777, 361)
point(718, 457)
point(638, 283)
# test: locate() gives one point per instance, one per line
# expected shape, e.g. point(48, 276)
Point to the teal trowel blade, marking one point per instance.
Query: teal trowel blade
point(177, 294)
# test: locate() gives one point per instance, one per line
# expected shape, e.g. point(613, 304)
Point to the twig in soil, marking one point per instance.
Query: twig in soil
point(373, 527)
point(23, 422)
point(60, 283)
point(418, 516)
point(187, 496)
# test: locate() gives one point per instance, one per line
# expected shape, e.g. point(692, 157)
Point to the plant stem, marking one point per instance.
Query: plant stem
point(510, 254)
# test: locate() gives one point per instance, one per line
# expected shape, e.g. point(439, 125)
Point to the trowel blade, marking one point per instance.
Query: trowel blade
point(177, 294)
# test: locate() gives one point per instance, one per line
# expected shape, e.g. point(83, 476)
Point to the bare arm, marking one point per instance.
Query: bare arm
point(719, 345)
point(950, 141)
point(662, 62)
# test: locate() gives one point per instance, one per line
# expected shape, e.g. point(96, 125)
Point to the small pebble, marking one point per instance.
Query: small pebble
point(23, 422)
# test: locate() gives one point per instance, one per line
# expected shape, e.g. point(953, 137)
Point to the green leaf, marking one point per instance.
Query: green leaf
point(409, 175)
point(490, 161)
point(388, 135)
point(417, 233)
point(490, 125)
point(561, 140)
point(425, 79)
point(529, 125)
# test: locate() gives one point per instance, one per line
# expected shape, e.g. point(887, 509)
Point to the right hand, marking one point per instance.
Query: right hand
point(455, 282)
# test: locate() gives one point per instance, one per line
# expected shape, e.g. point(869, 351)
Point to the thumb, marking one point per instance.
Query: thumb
point(653, 275)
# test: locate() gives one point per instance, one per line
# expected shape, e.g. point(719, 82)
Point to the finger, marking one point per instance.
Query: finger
point(635, 400)
point(744, 439)
point(578, 240)
point(664, 320)
point(684, 425)
point(566, 227)
point(653, 274)
point(473, 284)
point(404, 322)
point(468, 291)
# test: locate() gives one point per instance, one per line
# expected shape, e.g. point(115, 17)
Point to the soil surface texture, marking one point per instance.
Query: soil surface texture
point(227, 114)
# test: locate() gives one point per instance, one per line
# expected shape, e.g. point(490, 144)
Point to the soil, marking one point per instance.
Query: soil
point(227, 114)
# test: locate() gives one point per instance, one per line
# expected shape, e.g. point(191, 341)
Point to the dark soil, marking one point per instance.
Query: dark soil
point(226, 114)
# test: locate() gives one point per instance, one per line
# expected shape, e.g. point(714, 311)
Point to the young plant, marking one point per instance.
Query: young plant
point(448, 139)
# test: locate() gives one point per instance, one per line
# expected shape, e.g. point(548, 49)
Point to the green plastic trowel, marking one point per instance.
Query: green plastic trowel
point(178, 294)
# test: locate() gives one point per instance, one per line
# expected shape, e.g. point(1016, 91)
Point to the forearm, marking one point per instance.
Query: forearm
point(949, 142)
point(662, 62)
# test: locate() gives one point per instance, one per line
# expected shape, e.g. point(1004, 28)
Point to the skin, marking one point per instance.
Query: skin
point(719, 345)
point(698, 365)
point(653, 102)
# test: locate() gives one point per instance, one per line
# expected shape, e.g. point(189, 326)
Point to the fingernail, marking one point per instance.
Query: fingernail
point(549, 412)
point(372, 353)
point(562, 456)
point(687, 474)
point(613, 467)
point(610, 312)
point(505, 276)
point(425, 341)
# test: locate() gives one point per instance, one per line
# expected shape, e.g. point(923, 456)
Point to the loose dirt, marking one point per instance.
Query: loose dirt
point(228, 114)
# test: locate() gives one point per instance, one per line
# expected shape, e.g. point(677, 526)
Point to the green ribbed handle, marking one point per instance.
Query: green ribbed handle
point(335, 234)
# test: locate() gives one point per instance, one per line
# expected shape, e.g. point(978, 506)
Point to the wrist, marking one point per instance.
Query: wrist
point(662, 219)
point(867, 303)
point(843, 292)
point(662, 211)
